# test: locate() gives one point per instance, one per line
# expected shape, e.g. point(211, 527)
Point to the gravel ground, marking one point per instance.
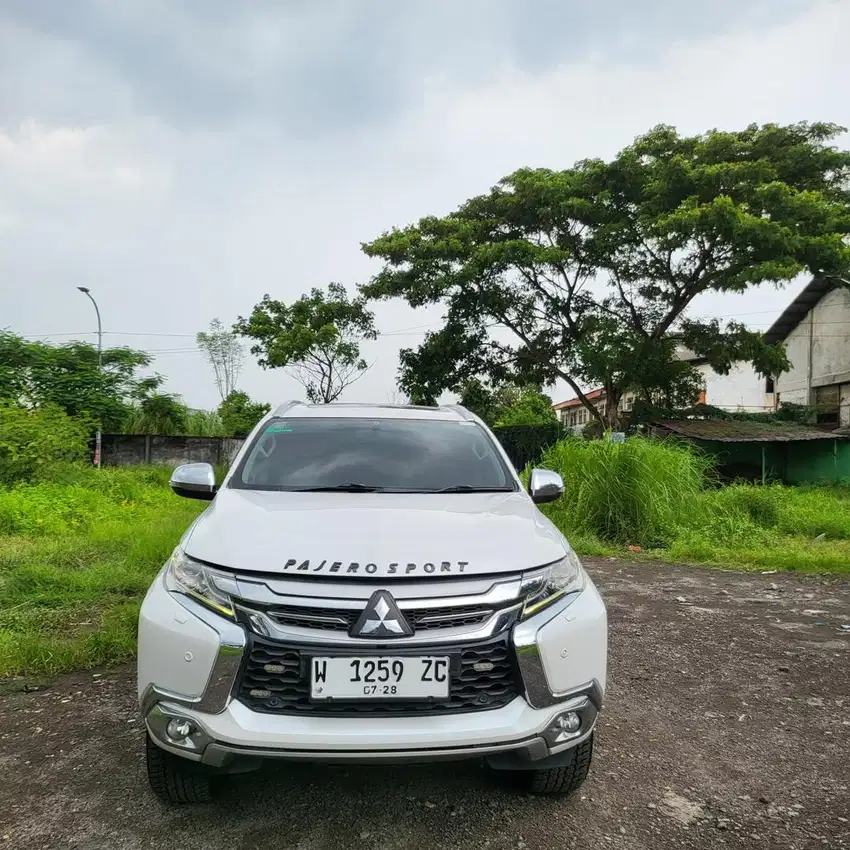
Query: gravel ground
point(726, 725)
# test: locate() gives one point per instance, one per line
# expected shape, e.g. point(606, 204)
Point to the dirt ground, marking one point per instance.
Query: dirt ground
point(726, 724)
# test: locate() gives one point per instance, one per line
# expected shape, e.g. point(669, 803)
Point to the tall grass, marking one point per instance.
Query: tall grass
point(663, 498)
point(632, 492)
point(76, 558)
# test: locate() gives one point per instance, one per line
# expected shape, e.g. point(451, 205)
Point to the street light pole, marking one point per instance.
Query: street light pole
point(97, 438)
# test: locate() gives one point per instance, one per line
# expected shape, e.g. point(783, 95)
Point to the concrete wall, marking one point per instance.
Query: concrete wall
point(134, 449)
point(825, 334)
point(741, 389)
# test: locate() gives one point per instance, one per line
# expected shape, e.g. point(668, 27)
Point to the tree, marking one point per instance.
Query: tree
point(36, 374)
point(224, 353)
point(34, 440)
point(239, 414)
point(528, 407)
point(480, 399)
point(158, 413)
point(507, 405)
point(587, 274)
point(316, 339)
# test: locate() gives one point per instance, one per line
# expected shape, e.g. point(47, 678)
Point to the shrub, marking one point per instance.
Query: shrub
point(34, 441)
point(638, 492)
point(239, 414)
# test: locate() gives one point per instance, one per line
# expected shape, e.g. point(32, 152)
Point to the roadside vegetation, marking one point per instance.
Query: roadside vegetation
point(662, 499)
point(79, 546)
point(77, 555)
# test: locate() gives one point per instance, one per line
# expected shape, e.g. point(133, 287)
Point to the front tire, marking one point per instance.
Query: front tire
point(558, 781)
point(176, 780)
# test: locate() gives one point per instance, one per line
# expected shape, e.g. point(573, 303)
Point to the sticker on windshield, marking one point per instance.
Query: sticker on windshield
point(279, 428)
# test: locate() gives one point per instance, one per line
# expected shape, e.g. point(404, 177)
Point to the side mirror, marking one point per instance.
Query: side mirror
point(194, 481)
point(545, 486)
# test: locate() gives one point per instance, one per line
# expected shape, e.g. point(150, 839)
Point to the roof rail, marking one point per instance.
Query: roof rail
point(287, 405)
point(460, 409)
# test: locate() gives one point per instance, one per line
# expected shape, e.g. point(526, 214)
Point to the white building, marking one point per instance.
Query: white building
point(816, 330)
point(741, 390)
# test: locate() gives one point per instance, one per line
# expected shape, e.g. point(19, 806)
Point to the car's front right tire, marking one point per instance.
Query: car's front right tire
point(176, 780)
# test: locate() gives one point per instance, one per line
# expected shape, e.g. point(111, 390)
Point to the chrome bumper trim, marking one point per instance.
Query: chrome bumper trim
point(225, 670)
point(537, 691)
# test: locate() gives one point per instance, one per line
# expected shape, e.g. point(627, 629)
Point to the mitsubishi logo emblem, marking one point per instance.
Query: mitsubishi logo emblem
point(381, 618)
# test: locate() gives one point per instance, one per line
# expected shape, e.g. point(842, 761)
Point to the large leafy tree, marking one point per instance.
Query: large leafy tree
point(316, 339)
point(36, 374)
point(224, 353)
point(587, 274)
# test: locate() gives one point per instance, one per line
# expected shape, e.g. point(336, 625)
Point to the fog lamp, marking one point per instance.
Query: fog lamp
point(568, 722)
point(179, 729)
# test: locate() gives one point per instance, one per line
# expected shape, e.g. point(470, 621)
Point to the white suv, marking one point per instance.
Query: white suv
point(370, 583)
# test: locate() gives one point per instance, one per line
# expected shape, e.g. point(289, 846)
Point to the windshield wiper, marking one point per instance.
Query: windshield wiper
point(471, 488)
point(350, 487)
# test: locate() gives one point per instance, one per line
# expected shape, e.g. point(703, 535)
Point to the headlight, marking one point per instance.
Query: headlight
point(183, 575)
point(559, 579)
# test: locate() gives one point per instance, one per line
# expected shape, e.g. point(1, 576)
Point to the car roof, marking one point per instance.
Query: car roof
point(341, 410)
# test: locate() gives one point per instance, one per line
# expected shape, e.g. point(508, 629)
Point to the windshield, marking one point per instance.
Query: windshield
point(380, 455)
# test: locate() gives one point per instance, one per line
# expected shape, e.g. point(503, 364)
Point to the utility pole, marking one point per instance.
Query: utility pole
point(97, 438)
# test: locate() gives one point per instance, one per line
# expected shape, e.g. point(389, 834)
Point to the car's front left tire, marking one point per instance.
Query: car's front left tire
point(560, 781)
point(176, 780)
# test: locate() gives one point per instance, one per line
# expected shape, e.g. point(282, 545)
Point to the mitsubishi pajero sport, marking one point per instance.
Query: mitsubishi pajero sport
point(370, 584)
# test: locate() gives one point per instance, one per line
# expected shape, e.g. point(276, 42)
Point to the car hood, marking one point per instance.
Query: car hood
point(362, 535)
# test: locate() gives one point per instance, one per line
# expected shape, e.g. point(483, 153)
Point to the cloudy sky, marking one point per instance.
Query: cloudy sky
point(183, 157)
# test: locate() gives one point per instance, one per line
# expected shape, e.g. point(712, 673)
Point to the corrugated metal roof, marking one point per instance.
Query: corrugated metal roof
point(742, 431)
point(796, 311)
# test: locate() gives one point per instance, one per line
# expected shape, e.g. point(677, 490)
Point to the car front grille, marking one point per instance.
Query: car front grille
point(342, 619)
point(281, 672)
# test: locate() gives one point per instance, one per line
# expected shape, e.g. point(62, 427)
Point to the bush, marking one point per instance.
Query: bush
point(638, 492)
point(34, 441)
point(239, 414)
point(662, 496)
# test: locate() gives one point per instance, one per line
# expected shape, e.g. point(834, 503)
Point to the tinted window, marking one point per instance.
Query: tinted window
point(394, 455)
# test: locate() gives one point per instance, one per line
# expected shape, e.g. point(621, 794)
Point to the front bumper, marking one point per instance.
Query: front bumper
point(189, 660)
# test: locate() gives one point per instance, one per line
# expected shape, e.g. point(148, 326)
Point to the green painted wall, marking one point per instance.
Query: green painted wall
point(821, 460)
point(802, 462)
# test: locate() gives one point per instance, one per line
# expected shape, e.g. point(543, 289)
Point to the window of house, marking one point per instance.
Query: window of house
point(827, 399)
point(768, 385)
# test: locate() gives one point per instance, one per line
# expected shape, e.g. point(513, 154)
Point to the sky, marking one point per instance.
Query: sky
point(183, 157)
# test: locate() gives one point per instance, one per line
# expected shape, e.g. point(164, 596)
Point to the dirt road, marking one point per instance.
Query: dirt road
point(727, 724)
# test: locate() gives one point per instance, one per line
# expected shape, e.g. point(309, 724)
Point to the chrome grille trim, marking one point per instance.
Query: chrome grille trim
point(262, 624)
point(487, 590)
point(319, 611)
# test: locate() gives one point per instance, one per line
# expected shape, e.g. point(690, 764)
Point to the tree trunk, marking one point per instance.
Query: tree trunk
point(612, 404)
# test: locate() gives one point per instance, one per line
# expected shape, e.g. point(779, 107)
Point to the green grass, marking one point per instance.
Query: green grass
point(78, 553)
point(76, 558)
point(663, 498)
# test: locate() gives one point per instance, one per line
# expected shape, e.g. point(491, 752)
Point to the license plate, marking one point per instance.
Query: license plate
point(384, 677)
